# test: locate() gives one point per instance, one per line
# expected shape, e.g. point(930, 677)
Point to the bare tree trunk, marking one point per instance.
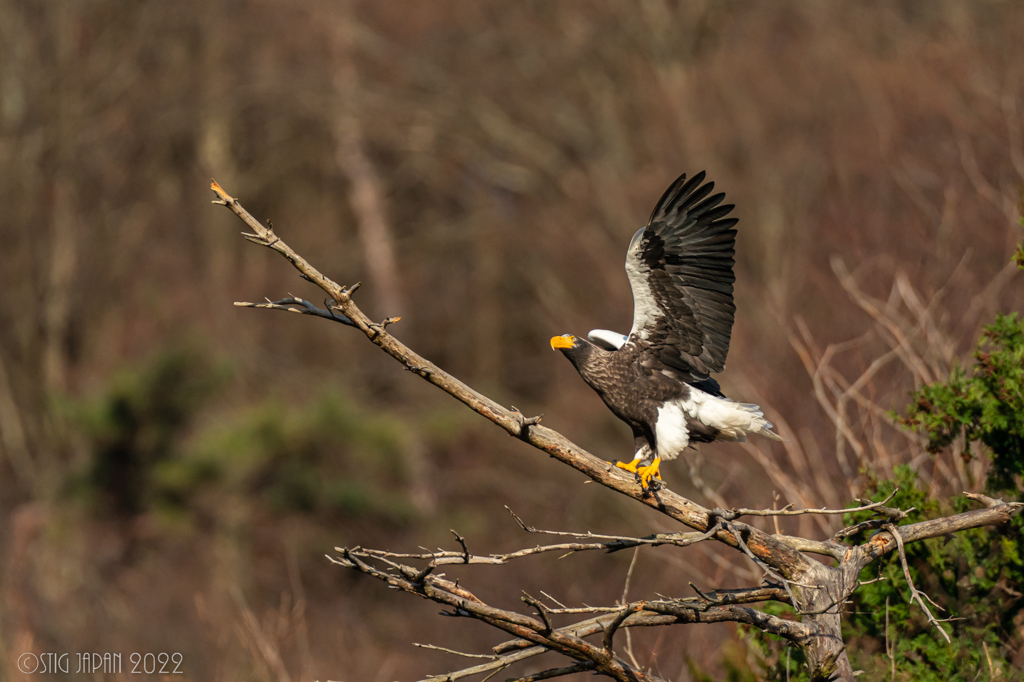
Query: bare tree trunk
point(57, 310)
point(64, 252)
point(366, 196)
point(824, 648)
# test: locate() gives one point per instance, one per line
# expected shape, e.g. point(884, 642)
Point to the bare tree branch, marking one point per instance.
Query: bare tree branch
point(467, 605)
point(298, 305)
point(814, 590)
point(556, 672)
point(453, 651)
point(624, 613)
point(786, 511)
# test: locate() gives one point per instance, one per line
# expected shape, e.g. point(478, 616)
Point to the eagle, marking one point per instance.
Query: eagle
point(658, 378)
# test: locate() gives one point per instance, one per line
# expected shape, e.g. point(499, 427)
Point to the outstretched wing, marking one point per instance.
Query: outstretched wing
point(680, 270)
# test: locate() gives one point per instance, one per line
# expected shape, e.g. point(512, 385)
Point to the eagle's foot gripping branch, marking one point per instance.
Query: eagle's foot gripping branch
point(649, 476)
point(650, 472)
point(630, 467)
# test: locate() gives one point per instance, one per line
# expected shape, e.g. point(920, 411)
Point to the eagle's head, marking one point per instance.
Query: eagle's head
point(580, 352)
point(577, 349)
point(566, 343)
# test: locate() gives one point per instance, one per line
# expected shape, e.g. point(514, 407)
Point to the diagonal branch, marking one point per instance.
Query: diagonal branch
point(772, 550)
point(883, 543)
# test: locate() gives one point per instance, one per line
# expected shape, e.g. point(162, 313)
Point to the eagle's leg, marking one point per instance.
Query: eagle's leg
point(648, 472)
point(643, 452)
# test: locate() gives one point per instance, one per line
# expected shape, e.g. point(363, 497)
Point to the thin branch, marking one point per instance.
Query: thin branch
point(556, 672)
point(914, 592)
point(890, 649)
point(625, 597)
point(465, 551)
point(464, 604)
point(298, 305)
point(590, 626)
point(432, 647)
point(541, 610)
point(702, 604)
point(494, 673)
point(498, 664)
point(746, 550)
point(786, 511)
point(624, 613)
point(552, 599)
point(445, 557)
point(629, 575)
point(870, 524)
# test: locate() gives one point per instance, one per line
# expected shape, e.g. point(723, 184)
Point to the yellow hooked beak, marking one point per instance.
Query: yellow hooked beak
point(563, 341)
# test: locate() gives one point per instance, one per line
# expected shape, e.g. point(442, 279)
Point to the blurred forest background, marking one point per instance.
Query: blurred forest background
point(173, 469)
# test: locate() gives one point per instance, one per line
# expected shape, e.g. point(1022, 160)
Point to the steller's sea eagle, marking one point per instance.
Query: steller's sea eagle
point(658, 378)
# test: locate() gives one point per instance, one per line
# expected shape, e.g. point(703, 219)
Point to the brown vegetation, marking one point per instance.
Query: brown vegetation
point(503, 153)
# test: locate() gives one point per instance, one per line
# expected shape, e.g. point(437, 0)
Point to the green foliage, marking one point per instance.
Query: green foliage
point(327, 457)
point(976, 576)
point(146, 448)
point(987, 406)
point(138, 422)
point(973, 576)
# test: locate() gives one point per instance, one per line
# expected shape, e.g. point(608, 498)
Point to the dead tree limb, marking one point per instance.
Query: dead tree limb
point(817, 592)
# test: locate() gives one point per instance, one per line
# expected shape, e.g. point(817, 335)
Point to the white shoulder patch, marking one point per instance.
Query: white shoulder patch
point(608, 340)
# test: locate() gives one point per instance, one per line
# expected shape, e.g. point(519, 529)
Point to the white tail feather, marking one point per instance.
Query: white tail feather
point(733, 420)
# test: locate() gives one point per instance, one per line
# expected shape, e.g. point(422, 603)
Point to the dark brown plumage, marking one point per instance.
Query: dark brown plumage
point(658, 379)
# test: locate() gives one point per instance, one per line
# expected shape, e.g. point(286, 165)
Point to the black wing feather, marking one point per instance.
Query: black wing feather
point(681, 269)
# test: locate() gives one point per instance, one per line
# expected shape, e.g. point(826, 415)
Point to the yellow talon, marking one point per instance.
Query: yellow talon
point(649, 472)
point(631, 467)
